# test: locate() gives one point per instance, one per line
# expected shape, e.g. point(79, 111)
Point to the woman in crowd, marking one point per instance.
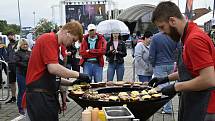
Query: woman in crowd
point(22, 56)
point(3, 56)
point(141, 55)
point(73, 57)
point(115, 52)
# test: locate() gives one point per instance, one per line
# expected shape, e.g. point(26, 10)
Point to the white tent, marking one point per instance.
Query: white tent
point(201, 20)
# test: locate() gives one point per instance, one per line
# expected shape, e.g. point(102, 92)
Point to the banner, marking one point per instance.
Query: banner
point(86, 14)
point(188, 9)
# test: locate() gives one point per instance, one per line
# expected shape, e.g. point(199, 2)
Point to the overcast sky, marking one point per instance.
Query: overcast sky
point(42, 8)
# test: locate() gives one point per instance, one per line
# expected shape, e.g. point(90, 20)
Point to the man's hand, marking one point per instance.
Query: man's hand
point(157, 81)
point(169, 90)
point(114, 51)
point(84, 78)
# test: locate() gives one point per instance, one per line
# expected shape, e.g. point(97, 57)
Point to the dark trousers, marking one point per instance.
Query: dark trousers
point(74, 65)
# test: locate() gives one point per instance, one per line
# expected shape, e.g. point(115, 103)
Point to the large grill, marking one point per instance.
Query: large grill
point(141, 109)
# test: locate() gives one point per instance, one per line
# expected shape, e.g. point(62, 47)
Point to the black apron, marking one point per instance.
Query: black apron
point(192, 104)
point(42, 98)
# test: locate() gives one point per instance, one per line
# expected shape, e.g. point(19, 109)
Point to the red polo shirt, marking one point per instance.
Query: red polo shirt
point(199, 53)
point(44, 52)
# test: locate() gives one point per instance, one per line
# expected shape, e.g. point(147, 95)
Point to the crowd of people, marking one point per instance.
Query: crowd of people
point(58, 56)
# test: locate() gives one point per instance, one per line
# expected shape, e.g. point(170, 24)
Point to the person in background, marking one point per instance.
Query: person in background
point(115, 53)
point(162, 58)
point(134, 40)
point(73, 56)
point(41, 97)
point(196, 63)
point(141, 56)
point(92, 51)
point(22, 57)
point(3, 56)
point(12, 46)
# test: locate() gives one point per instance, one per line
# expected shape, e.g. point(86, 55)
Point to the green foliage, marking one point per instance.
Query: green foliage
point(5, 28)
point(44, 26)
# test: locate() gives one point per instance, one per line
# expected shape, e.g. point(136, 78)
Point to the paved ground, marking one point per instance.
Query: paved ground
point(73, 113)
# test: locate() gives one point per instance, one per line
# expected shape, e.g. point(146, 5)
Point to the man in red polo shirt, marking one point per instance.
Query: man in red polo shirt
point(41, 85)
point(196, 62)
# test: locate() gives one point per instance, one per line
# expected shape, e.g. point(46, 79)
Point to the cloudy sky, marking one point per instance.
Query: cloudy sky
point(42, 8)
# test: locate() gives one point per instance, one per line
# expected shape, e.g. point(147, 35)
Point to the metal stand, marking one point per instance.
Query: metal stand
point(4, 98)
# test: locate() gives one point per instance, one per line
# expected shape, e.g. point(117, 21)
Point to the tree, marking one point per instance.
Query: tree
point(5, 28)
point(44, 26)
point(3, 25)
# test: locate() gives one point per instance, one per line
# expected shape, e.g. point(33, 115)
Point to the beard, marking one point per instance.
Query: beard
point(174, 34)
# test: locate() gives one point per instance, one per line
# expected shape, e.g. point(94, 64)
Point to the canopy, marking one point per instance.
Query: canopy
point(134, 13)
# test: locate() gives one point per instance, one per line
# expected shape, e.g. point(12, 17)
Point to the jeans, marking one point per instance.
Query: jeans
point(120, 69)
point(21, 89)
point(143, 78)
point(162, 71)
point(94, 70)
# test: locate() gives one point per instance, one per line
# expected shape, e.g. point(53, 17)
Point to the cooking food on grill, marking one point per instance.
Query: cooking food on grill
point(152, 91)
point(110, 83)
point(156, 95)
point(144, 92)
point(102, 84)
point(78, 92)
point(82, 86)
point(146, 97)
point(119, 83)
point(113, 98)
point(135, 93)
point(123, 96)
point(138, 83)
point(126, 85)
point(93, 92)
point(135, 98)
point(94, 85)
point(103, 97)
point(94, 97)
point(74, 87)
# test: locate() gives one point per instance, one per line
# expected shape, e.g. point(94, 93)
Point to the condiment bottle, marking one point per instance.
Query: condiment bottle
point(86, 115)
point(101, 116)
point(90, 108)
point(95, 112)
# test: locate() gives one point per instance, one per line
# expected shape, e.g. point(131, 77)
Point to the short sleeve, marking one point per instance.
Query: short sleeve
point(199, 53)
point(50, 50)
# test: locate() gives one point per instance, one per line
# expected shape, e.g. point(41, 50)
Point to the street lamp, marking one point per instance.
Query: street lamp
point(34, 18)
point(20, 23)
